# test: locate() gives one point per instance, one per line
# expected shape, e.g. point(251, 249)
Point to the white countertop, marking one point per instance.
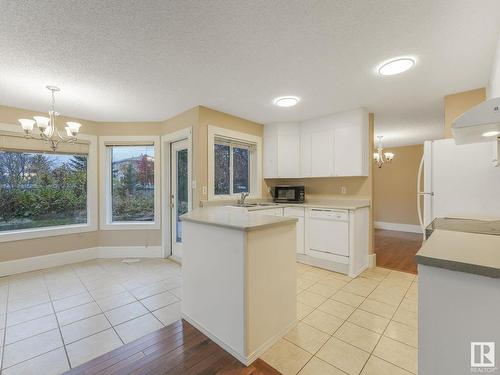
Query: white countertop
point(234, 218)
point(341, 204)
point(460, 251)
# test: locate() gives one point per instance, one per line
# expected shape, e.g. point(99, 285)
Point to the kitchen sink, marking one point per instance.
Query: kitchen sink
point(255, 205)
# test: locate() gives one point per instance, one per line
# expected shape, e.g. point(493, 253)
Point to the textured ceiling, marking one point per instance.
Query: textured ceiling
point(152, 59)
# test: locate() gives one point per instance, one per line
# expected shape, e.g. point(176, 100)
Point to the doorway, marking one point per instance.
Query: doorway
point(180, 191)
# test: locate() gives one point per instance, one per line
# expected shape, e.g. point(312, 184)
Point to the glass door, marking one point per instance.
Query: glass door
point(180, 189)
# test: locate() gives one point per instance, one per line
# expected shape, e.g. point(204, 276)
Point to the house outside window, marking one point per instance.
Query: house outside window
point(130, 188)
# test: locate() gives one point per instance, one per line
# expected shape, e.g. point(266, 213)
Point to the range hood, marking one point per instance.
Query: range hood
point(479, 124)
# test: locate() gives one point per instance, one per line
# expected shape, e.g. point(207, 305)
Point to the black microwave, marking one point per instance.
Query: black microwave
point(289, 194)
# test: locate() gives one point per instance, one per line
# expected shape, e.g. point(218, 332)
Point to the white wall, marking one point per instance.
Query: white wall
point(494, 85)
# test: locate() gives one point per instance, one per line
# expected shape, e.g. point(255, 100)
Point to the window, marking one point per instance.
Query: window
point(132, 187)
point(40, 189)
point(234, 163)
point(129, 192)
point(231, 168)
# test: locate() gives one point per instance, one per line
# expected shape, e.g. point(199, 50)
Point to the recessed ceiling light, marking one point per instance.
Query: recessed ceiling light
point(396, 66)
point(493, 133)
point(286, 101)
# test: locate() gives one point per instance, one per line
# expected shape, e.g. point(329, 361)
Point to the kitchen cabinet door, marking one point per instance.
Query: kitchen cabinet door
point(350, 151)
point(299, 214)
point(270, 152)
point(305, 155)
point(288, 156)
point(322, 154)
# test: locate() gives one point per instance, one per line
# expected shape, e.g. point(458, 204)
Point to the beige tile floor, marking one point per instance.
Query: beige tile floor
point(61, 317)
point(367, 325)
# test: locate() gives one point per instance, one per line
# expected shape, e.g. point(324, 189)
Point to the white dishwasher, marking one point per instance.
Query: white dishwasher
point(329, 234)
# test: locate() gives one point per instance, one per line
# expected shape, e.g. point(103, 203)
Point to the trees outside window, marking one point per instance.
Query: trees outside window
point(132, 187)
point(231, 169)
point(42, 190)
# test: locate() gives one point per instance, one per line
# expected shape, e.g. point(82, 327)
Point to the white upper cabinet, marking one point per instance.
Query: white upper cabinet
point(282, 150)
point(270, 152)
point(289, 155)
point(334, 145)
point(305, 155)
point(350, 151)
point(322, 154)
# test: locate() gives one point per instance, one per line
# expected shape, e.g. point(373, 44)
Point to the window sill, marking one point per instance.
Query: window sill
point(28, 234)
point(130, 226)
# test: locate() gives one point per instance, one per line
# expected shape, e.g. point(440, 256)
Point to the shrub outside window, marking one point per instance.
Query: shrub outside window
point(39, 190)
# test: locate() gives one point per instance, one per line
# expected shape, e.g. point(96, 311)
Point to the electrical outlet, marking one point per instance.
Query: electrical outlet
point(343, 190)
point(204, 190)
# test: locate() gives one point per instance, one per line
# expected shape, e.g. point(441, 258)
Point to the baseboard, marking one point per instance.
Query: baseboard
point(273, 340)
point(372, 260)
point(246, 360)
point(411, 228)
point(216, 339)
point(16, 266)
point(12, 267)
point(129, 252)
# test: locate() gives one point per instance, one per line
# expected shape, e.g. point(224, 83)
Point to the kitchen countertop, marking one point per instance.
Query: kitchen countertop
point(235, 218)
point(341, 204)
point(464, 225)
point(462, 251)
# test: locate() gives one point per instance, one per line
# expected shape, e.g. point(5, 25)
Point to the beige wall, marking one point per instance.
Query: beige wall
point(395, 186)
point(456, 104)
point(197, 118)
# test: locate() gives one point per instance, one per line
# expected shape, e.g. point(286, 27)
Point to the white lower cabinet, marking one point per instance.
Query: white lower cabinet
point(329, 238)
point(297, 212)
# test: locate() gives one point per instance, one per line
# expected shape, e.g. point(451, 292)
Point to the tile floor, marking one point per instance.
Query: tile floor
point(367, 325)
point(61, 317)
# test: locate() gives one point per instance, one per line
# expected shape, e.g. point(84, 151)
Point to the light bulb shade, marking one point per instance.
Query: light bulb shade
point(389, 156)
point(376, 156)
point(27, 124)
point(42, 122)
point(74, 127)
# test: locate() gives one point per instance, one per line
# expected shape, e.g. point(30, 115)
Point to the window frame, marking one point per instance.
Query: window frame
point(255, 162)
point(105, 203)
point(92, 197)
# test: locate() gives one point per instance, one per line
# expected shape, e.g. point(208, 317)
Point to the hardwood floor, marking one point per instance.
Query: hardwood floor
point(396, 250)
point(176, 349)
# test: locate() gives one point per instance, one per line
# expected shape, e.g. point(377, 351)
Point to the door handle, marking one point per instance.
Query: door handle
point(172, 200)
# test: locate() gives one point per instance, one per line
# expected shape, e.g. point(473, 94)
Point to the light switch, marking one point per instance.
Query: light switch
point(204, 190)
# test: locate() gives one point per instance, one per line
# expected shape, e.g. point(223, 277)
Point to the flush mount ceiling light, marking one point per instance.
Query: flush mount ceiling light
point(286, 101)
point(396, 66)
point(493, 133)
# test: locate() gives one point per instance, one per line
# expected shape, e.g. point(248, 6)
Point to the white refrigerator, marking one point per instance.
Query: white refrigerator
point(461, 181)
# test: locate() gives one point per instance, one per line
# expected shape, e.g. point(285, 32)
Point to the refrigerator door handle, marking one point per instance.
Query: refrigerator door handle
point(419, 194)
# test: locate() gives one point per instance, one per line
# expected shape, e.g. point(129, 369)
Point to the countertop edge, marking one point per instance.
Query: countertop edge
point(287, 221)
point(451, 265)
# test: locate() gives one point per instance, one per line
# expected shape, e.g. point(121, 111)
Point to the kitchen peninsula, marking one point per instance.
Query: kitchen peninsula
point(459, 295)
point(239, 278)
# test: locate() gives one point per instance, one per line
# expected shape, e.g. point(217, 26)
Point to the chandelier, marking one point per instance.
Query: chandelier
point(47, 126)
point(380, 156)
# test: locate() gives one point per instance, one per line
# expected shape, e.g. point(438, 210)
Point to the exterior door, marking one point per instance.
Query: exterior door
point(180, 190)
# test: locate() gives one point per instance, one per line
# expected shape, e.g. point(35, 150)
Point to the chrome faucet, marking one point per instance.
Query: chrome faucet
point(243, 196)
